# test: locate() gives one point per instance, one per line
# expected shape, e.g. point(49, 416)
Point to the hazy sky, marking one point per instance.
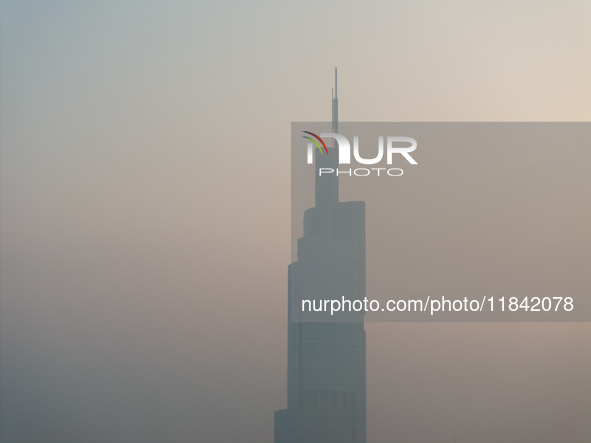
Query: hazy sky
point(145, 212)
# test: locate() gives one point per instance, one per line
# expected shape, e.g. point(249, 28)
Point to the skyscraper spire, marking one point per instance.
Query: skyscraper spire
point(335, 129)
point(335, 81)
point(335, 107)
point(327, 185)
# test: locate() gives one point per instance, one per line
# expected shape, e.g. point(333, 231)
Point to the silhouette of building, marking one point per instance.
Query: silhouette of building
point(326, 380)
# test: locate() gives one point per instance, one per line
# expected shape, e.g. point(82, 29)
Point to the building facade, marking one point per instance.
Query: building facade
point(326, 378)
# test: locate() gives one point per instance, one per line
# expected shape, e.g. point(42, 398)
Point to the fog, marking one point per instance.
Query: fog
point(145, 213)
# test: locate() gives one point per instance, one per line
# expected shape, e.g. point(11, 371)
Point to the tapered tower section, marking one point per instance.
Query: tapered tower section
point(326, 379)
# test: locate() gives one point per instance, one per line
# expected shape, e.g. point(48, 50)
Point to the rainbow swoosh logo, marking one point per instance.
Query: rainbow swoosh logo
point(315, 142)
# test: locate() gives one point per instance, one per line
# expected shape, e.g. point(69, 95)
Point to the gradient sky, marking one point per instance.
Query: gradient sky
point(145, 213)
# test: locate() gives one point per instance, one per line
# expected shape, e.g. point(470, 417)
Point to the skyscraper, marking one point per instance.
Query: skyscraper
point(326, 382)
